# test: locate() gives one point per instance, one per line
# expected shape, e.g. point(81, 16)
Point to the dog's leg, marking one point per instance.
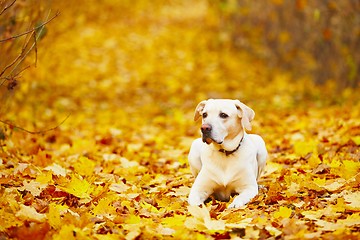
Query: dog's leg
point(194, 157)
point(245, 195)
point(201, 189)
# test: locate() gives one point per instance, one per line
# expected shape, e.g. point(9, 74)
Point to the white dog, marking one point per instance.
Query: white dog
point(226, 159)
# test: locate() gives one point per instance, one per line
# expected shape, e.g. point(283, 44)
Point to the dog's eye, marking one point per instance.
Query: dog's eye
point(223, 115)
point(204, 115)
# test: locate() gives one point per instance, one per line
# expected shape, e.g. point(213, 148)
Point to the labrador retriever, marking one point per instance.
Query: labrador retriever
point(225, 160)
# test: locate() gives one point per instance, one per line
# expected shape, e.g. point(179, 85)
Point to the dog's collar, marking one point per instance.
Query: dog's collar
point(227, 153)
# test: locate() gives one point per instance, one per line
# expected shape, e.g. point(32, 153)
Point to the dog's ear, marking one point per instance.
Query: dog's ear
point(199, 109)
point(245, 113)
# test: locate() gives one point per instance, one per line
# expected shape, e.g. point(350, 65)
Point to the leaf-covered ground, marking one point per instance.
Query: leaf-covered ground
point(130, 75)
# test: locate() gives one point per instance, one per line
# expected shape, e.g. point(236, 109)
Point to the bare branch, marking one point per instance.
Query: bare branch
point(31, 30)
point(35, 132)
point(7, 7)
point(18, 57)
point(34, 44)
point(36, 50)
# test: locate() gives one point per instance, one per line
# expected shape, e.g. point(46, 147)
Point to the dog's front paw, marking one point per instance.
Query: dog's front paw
point(195, 199)
point(237, 203)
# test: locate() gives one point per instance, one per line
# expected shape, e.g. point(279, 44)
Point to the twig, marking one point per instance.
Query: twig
point(17, 58)
point(7, 7)
point(31, 30)
point(35, 132)
point(36, 51)
point(13, 77)
point(37, 37)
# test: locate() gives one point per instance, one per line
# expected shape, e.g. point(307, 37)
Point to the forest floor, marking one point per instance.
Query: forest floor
point(129, 76)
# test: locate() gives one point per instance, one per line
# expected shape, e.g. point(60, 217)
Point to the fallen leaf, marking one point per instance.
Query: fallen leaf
point(56, 169)
point(353, 200)
point(34, 187)
point(29, 213)
point(79, 187)
point(283, 212)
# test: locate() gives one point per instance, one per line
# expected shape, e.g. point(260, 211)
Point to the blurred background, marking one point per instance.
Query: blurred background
point(112, 63)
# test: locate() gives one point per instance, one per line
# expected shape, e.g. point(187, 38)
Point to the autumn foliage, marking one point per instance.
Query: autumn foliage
point(129, 75)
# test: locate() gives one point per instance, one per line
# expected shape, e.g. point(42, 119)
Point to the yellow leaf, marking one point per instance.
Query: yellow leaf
point(132, 219)
point(327, 226)
point(181, 191)
point(202, 217)
point(356, 140)
point(320, 181)
point(353, 200)
point(216, 225)
point(30, 214)
point(293, 189)
point(351, 220)
point(272, 167)
point(149, 207)
point(199, 212)
point(79, 188)
point(165, 231)
point(119, 187)
point(313, 215)
point(54, 214)
point(251, 233)
point(314, 161)
point(34, 187)
point(334, 186)
point(7, 220)
point(70, 232)
point(45, 177)
point(84, 166)
point(273, 231)
point(177, 220)
point(108, 236)
point(283, 212)
point(302, 148)
point(56, 169)
point(104, 206)
point(243, 223)
point(349, 169)
point(335, 163)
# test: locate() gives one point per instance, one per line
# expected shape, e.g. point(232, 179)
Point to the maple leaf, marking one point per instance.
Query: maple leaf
point(119, 187)
point(44, 178)
point(79, 187)
point(104, 206)
point(56, 169)
point(84, 166)
point(54, 215)
point(202, 219)
point(283, 212)
point(29, 213)
point(273, 231)
point(34, 187)
point(70, 232)
point(353, 200)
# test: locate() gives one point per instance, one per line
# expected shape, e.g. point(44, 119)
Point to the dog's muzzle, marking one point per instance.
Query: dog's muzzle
point(206, 133)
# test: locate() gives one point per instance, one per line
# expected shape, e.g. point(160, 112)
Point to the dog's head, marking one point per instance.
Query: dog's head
point(223, 119)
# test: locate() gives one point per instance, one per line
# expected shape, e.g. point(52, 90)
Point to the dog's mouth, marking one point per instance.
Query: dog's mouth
point(208, 140)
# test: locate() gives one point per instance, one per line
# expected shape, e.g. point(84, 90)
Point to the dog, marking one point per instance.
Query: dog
point(225, 160)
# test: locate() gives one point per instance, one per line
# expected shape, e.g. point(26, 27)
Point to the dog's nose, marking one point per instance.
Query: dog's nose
point(206, 128)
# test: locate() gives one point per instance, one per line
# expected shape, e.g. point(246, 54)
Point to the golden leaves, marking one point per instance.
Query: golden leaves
point(79, 187)
point(202, 220)
point(353, 200)
point(117, 168)
point(30, 214)
point(283, 212)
